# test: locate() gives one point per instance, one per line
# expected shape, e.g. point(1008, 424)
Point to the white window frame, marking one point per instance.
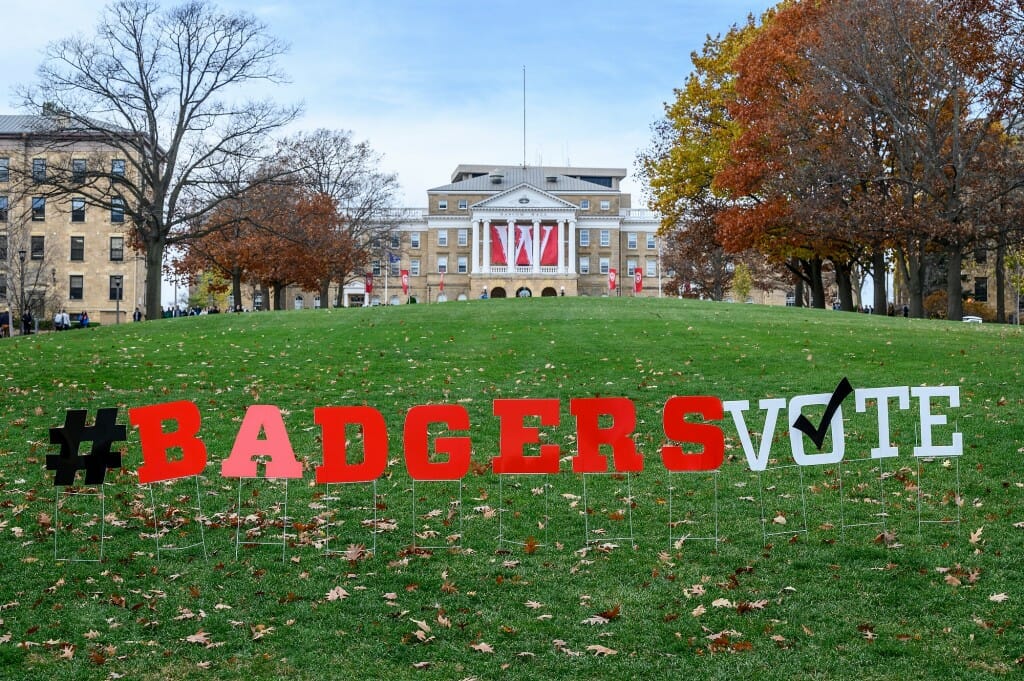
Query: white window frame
point(442, 237)
point(584, 238)
point(414, 240)
point(442, 264)
point(463, 204)
point(584, 264)
point(652, 268)
point(606, 238)
point(462, 266)
point(651, 243)
point(584, 204)
point(605, 265)
point(463, 237)
point(606, 205)
point(631, 240)
point(414, 267)
point(442, 204)
point(630, 267)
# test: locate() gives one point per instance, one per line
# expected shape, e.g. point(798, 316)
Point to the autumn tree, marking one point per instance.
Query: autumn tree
point(329, 163)
point(689, 147)
point(163, 86)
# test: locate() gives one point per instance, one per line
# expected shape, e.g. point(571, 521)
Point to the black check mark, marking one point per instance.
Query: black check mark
point(817, 435)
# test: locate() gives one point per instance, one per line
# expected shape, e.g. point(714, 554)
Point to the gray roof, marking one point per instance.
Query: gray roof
point(18, 124)
point(516, 175)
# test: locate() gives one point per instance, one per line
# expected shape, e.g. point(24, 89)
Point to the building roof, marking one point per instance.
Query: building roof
point(19, 124)
point(536, 176)
point(51, 124)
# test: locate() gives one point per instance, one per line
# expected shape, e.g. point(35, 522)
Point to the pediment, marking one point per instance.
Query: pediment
point(523, 197)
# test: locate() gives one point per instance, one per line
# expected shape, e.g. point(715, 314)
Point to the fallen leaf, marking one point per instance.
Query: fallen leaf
point(998, 598)
point(601, 651)
point(337, 594)
point(482, 647)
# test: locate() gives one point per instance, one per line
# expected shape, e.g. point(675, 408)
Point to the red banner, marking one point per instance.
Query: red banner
point(611, 279)
point(524, 244)
point(499, 247)
point(405, 282)
point(369, 282)
point(548, 245)
point(638, 280)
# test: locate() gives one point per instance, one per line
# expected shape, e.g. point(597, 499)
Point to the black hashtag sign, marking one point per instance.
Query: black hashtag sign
point(100, 458)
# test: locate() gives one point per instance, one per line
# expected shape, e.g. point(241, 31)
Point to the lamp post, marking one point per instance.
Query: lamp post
point(118, 286)
point(21, 289)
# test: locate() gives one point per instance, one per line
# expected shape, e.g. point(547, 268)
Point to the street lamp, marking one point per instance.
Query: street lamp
point(21, 290)
point(118, 284)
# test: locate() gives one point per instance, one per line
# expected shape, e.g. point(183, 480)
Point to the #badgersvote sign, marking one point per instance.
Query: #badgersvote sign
point(170, 436)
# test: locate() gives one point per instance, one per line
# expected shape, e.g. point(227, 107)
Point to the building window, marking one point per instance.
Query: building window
point(442, 264)
point(77, 210)
point(3, 248)
point(117, 167)
point(631, 241)
point(463, 204)
point(606, 205)
point(630, 267)
point(38, 208)
point(652, 268)
point(76, 286)
point(981, 289)
point(584, 204)
point(442, 204)
point(463, 264)
point(584, 237)
point(39, 170)
point(3, 209)
point(117, 248)
point(463, 237)
point(116, 287)
point(651, 245)
point(375, 243)
point(605, 265)
point(442, 237)
point(414, 267)
point(117, 209)
point(394, 270)
point(414, 239)
point(396, 240)
point(38, 245)
point(3, 287)
point(980, 255)
point(78, 248)
point(584, 265)
point(5, 169)
point(606, 237)
point(375, 268)
point(78, 170)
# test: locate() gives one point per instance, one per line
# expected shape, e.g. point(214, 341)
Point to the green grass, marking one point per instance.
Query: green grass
point(829, 603)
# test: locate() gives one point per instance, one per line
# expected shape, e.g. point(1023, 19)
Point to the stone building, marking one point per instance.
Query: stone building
point(60, 248)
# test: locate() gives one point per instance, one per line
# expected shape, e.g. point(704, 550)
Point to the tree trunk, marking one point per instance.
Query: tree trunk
point(798, 291)
point(912, 265)
point(954, 289)
point(844, 283)
point(278, 296)
point(325, 292)
point(1001, 278)
point(817, 284)
point(879, 273)
point(236, 286)
point(154, 279)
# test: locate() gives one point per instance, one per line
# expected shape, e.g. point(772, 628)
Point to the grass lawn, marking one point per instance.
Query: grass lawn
point(556, 576)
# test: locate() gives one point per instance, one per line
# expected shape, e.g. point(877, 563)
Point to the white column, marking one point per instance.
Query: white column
point(572, 247)
point(510, 257)
point(487, 247)
point(535, 253)
point(561, 246)
point(475, 256)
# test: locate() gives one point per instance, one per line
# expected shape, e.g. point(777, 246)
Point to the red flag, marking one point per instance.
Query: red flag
point(441, 285)
point(524, 245)
point(611, 279)
point(369, 282)
point(638, 280)
point(499, 249)
point(405, 282)
point(548, 245)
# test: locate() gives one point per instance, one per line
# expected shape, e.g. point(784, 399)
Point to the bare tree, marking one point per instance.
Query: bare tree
point(26, 261)
point(329, 162)
point(159, 86)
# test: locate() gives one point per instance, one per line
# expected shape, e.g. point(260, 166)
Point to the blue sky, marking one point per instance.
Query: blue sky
point(431, 84)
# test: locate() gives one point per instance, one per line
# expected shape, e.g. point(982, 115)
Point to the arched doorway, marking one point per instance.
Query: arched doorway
point(548, 292)
point(498, 292)
point(523, 292)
